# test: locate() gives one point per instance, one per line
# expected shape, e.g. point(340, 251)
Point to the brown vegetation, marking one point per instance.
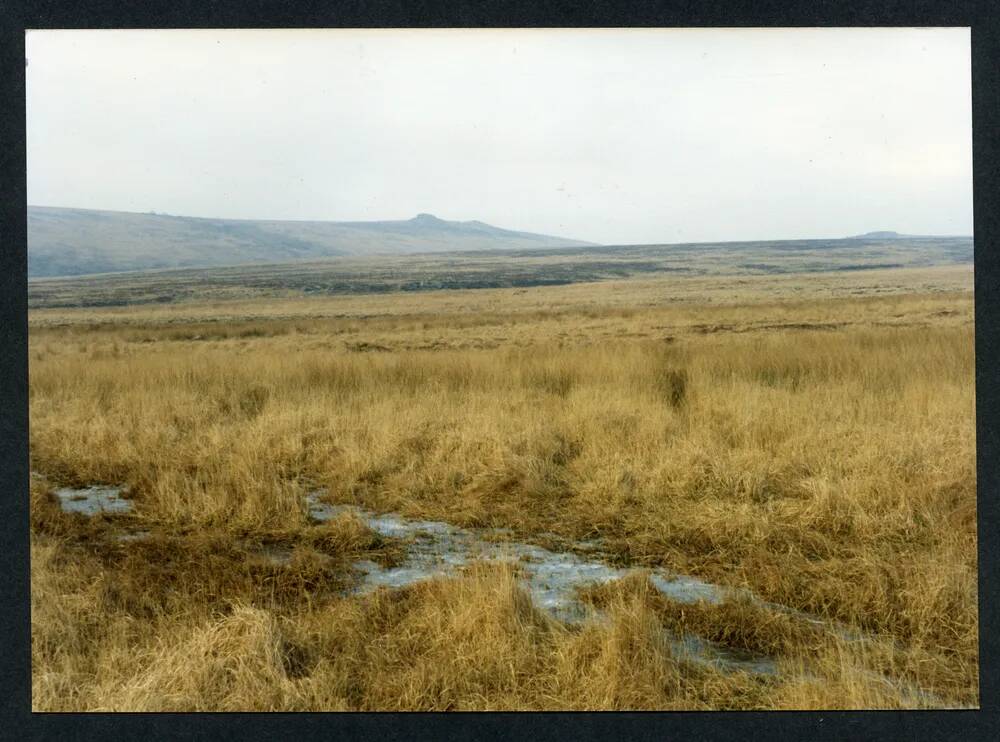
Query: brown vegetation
point(819, 452)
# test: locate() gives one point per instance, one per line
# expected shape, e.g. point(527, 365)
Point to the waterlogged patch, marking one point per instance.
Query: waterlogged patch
point(92, 500)
point(272, 554)
point(553, 579)
point(127, 536)
point(695, 649)
point(684, 589)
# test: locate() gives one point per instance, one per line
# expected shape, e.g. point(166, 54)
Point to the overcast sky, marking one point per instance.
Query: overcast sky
point(613, 136)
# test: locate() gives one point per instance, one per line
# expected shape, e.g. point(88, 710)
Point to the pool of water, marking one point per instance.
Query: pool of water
point(93, 500)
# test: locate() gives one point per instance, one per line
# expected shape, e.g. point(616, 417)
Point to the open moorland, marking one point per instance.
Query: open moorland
point(495, 269)
point(656, 490)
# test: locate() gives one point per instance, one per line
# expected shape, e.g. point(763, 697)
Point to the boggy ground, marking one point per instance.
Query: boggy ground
point(819, 452)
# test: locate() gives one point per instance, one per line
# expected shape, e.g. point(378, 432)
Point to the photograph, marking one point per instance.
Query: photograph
point(501, 369)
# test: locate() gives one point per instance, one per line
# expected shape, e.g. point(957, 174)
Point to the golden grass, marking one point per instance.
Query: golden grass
point(821, 453)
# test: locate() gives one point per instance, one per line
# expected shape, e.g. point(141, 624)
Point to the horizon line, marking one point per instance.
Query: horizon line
point(477, 221)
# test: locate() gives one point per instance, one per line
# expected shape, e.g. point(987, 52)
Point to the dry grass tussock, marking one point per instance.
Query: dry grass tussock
point(821, 454)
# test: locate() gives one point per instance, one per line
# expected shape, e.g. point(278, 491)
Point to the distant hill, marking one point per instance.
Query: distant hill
point(67, 242)
point(894, 236)
point(876, 236)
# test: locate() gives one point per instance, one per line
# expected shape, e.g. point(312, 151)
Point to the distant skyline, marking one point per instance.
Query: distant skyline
point(611, 136)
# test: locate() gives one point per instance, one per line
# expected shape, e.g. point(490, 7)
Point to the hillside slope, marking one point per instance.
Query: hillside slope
point(66, 242)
